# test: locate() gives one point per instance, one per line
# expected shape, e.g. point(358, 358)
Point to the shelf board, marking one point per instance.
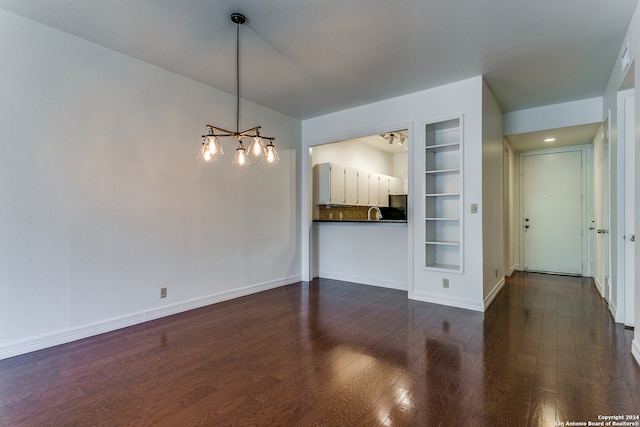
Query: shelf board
point(452, 267)
point(449, 146)
point(443, 243)
point(442, 219)
point(441, 194)
point(443, 171)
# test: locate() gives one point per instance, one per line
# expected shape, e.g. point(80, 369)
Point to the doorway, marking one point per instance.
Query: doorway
point(553, 211)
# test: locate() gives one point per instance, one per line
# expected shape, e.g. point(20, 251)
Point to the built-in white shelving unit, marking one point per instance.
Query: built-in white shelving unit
point(443, 195)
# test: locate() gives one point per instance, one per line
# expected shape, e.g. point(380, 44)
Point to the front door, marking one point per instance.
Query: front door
point(553, 207)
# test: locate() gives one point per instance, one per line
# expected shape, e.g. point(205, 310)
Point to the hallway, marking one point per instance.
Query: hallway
point(337, 353)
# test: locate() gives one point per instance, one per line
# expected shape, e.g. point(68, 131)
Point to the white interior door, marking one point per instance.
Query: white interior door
point(601, 203)
point(553, 212)
point(629, 209)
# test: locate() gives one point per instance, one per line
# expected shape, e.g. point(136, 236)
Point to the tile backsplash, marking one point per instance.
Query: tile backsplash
point(343, 213)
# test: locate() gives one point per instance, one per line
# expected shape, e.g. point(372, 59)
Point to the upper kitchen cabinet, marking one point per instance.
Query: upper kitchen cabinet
point(351, 186)
point(443, 195)
point(363, 188)
point(329, 184)
point(338, 185)
point(396, 185)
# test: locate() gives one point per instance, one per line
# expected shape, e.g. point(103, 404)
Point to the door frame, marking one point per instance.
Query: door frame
point(623, 309)
point(586, 180)
point(602, 182)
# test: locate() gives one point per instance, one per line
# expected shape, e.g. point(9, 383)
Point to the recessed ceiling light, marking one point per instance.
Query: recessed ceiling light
point(549, 139)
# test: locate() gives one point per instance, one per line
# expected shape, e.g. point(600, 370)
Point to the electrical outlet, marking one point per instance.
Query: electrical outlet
point(445, 283)
point(163, 292)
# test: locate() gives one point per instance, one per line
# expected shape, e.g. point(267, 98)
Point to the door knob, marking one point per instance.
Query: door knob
point(526, 226)
point(600, 231)
point(632, 237)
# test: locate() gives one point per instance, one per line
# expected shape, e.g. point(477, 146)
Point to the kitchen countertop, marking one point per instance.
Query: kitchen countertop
point(383, 221)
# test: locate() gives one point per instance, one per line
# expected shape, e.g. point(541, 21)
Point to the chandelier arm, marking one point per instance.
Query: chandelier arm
point(221, 130)
point(246, 132)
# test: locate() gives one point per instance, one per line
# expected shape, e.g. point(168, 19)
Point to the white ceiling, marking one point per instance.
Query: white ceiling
point(307, 58)
point(574, 135)
point(379, 143)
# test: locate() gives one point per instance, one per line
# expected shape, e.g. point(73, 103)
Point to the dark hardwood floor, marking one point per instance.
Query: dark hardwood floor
point(330, 353)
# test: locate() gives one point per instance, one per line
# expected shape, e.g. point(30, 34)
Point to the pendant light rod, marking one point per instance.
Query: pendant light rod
point(238, 19)
point(211, 148)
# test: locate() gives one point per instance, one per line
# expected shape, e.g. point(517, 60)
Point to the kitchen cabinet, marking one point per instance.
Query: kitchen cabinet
point(363, 188)
point(338, 185)
point(396, 185)
point(443, 195)
point(329, 184)
point(374, 189)
point(383, 191)
point(378, 190)
point(350, 186)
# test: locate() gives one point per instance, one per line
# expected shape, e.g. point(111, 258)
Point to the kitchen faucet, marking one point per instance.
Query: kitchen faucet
point(378, 213)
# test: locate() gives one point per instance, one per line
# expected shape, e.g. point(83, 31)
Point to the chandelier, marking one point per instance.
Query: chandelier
point(259, 147)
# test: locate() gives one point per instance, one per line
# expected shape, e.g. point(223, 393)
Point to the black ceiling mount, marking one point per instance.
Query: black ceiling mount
point(238, 18)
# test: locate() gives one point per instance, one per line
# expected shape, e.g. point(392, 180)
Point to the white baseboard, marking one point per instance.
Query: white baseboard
point(613, 310)
point(598, 286)
point(494, 292)
point(40, 342)
point(514, 267)
point(635, 350)
point(401, 286)
point(450, 301)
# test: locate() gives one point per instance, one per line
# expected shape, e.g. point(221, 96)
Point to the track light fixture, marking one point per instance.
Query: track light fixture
point(399, 137)
point(260, 146)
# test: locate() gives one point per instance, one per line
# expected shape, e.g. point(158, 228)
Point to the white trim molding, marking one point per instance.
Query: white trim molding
point(369, 281)
point(40, 342)
point(494, 293)
point(635, 350)
point(451, 302)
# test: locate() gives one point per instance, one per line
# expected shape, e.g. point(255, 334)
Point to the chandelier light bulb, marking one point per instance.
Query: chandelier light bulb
point(214, 146)
point(241, 157)
point(206, 156)
point(256, 148)
point(211, 148)
point(271, 155)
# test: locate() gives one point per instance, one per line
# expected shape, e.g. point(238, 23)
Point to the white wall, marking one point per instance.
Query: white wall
point(354, 154)
point(373, 254)
point(492, 196)
point(412, 112)
point(104, 202)
point(554, 116)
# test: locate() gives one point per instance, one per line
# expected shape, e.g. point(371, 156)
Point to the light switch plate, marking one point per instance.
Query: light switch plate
point(474, 208)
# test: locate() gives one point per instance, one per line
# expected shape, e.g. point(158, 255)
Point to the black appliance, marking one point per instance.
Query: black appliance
point(397, 207)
